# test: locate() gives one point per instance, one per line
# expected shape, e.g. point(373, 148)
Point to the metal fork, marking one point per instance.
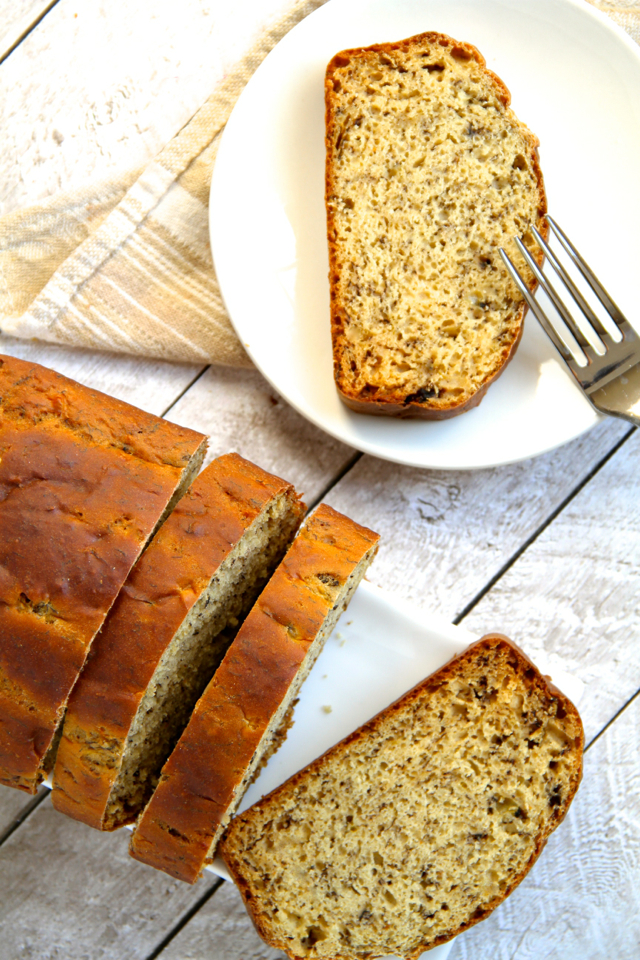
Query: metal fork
point(611, 380)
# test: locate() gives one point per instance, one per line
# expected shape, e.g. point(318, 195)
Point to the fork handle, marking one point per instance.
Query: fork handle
point(620, 397)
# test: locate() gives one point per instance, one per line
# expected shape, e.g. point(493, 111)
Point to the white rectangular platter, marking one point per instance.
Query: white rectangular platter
point(381, 647)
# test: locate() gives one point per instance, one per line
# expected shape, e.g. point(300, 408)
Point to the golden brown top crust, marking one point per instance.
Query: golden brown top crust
point(161, 589)
point(423, 317)
point(84, 479)
point(460, 51)
point(34, 395)
point(200, 779)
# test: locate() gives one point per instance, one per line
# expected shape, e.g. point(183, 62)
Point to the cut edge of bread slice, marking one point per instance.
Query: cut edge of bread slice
point(199, 577)
point(440, 330)
point(418, 824)
point(244, 712)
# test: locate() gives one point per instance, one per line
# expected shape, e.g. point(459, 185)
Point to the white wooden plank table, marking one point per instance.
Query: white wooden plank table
point(546, 551)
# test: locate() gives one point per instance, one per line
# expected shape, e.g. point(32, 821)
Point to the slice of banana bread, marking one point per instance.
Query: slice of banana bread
point(166, 634)
point(421, 822)
point(428, 173)
point(84, 481)
point(239, 716)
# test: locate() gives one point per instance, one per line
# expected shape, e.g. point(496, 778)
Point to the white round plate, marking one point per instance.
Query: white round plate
point(575, 81)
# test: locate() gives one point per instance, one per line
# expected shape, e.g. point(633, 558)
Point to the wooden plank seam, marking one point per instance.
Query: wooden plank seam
point(542, 527)
point(21, 30)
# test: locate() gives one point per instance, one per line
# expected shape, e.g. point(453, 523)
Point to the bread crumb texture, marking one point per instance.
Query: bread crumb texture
point(194, 654)
point(421, 822)
point(428, 173)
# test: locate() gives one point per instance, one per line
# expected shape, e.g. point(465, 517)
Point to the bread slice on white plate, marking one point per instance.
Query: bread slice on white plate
point(428, 173)
point(421, 822)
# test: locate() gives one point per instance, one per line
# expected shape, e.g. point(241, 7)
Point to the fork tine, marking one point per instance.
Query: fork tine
point(549, 289)
point(612, 309)
point(536, 309)
point(589, 315)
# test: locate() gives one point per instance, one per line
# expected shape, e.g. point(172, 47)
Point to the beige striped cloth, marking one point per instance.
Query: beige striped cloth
point(125, 265)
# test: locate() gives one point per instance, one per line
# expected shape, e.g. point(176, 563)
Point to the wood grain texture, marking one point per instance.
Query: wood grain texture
point(16, 17)
point(574, 592)
point(12, 802)
point(241, 412)
point(98, 87)
point(582, 898)
point(445, 534)
point(221, 930)
point(71, 893)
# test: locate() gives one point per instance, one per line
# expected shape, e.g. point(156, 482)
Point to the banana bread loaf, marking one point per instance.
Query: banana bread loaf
point(238, 717)
point(165, 635)
point(84, 480)
point(421, 822)
point(428, 173)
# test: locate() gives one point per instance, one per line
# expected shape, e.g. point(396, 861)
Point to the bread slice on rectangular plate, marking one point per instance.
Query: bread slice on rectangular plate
point(239, 718)
point(421, 822)
point(428, 173)
point(84, 481)
point(167, 632)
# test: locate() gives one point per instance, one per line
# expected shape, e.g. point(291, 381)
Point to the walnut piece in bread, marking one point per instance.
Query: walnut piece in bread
point(84, 481)
point(241, 712)
point(428, 173)
point(421, 822)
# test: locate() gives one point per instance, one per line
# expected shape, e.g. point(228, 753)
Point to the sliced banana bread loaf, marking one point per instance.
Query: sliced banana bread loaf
point(167, 632)
point(421, 822)
point(84, 480)
point(428, 173)
point(237, 718)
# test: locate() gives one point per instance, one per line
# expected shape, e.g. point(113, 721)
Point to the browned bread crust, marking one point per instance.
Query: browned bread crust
point(418, 410)
point(84, 479)
point(164, 585)
point(422, 401)
point(258, 828)
point(212, 764)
